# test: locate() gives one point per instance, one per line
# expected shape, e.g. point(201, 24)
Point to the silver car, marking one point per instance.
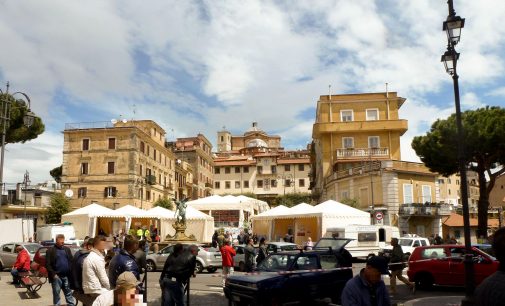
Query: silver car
point(274, 247)
point(239, 259)
point(8, 253)
point(207, 258)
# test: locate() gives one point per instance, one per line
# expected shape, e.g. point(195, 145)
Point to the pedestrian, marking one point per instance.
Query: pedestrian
point(396, 266)
point(94, 275)
point(124, 294)
point(368, 288)
point(249, 255)
point(140, 233)
point(491, 292)
point(58, 265)
point(124, 261)
point(227, 254)
point(309, 244)
point(140, 256)
point(77, 262)
point(262, 251)
point(22, 264)
point(438, 239)
point(214, 239)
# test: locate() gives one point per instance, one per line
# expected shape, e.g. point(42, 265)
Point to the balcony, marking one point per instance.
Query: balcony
point(355, 171)
point(424, 210)
point(400, 125)
point(150, 179)
point(353, 153)
point(208, 185)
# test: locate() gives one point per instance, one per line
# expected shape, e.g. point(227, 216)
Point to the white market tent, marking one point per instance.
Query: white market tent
point(197, 223)
point(131, 212)
point(84, 219)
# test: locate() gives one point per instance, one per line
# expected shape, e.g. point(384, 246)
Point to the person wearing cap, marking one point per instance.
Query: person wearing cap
point(125, 293)
point(367, 288)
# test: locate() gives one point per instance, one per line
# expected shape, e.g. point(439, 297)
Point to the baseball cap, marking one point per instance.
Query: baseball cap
point(379, 263)
point(126, 280)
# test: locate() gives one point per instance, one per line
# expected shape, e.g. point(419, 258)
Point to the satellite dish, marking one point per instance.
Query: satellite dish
point(69, 193)
point(124, 120)
point(114, 121)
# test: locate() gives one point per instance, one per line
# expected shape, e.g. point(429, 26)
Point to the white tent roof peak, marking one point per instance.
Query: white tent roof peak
point(160, 213)
point(278, 210)
point(335, 207)
point(93, 210)
point(192, 213)
point(131, 211)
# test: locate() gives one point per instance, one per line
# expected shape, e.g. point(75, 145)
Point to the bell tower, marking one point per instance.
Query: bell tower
point(223, 140)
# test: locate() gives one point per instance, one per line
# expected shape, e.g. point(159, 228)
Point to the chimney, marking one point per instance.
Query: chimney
point(255, 124)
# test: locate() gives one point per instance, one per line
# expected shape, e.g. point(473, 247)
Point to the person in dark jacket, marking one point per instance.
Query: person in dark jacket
point(140, 256)
point(77, 261)
point(491, 291)
point(249, 254)
point(170, 281)
point(262, 251)
point(124, 261)
point(367, 288)
point(58, 265)
point(396, 266)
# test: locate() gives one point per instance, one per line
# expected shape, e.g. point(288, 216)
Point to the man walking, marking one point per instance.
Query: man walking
point(22, 264)
point(58, 265)
point(170, 279)
point(94, 275)
point(227, 254)
point(249, 255)
point(396, 266)
point(77, 262)
point(124, 261)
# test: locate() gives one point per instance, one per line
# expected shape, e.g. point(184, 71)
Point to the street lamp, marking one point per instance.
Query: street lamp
point(452, 26)
point(285, 178)
point(5, 117)
point(26, 181)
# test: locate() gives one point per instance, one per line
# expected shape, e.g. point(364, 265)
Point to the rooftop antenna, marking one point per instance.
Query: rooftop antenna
point(387, 93)
point(329, 92)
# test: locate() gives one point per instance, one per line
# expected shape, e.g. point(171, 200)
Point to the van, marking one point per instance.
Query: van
point(48, 233)
point(367, 240)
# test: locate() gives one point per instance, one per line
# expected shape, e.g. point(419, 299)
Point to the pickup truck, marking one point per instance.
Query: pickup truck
point(291, 276)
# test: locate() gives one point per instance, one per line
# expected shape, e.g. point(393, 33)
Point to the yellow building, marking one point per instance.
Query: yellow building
point(183, 180)
point(117, 163)
point(357, 159)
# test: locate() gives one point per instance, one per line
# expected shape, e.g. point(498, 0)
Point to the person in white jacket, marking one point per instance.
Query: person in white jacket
point(94, 274)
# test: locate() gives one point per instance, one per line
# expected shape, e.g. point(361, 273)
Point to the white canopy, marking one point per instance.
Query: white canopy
point(84, 219)
point(159, 212)
point(197, 223)
point(276, 211)
point(229, 202)
point(131, 211)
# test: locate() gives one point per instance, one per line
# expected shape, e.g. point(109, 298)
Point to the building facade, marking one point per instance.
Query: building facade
point(117, 163)
point(357, 160)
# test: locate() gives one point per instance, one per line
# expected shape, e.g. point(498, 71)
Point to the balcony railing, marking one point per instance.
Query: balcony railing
point(425, 209)
point(362, 152)
point(355, 171)
point(151, 179)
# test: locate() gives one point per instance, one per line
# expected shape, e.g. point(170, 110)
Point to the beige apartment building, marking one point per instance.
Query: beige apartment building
point(256, 163)
point(117, 163)
point(183, 180)
point(357, 159)
point(450, 189)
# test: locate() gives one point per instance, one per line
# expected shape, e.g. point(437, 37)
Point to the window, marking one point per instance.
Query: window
point(287, 183)
point(301, 182)
point(345, 195)
point(217, 185)
point(348, 142)
point(301, 167)
point(426, 192)
point(148, 195)
point(237, 169)
point(82, 192)
point(373, 142)
point(85, 144)
point(227, 185)
point(273, 183)
point(346, 115)
point(260, 169)
point(142, 147)
point(408, 195)
point(148, 150)
point(237, 184)
point(433, 253)
point(110, 192)
point(246, 184)
point(227, 170)
point(246, 169)
point(110, 167)
point(457, 182)
point(367, 236)
point(141, 170)
point(217, 170)
point(372, 114)
point(112, 143)
point(273, 169)
point(84, 168)
point(287, 168)
point(260, 184)
point(154, 154)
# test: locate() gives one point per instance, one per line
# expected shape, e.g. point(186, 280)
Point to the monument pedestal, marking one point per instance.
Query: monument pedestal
point(180, 234)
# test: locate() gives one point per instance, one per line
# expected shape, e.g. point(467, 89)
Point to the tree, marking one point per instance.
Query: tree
point(350, 202)
point(484, 142)
point(60, 205)
point(56, 173)
point(292, 199)
point(165, 203)
point(17, 131)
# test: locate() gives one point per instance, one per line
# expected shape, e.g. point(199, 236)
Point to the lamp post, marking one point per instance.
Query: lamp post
point(452, 26)
point(26, 181)
point(284, 178)
point(5, 116)
point(140, 183)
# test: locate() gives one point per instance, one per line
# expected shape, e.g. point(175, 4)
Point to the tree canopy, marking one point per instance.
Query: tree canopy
point(484, 150)
point(56, 173)
point(165, 203)
point(17, 131)
point(60, 205)
point(292, 199)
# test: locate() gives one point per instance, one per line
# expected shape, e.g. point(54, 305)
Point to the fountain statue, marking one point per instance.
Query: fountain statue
point(180, 223)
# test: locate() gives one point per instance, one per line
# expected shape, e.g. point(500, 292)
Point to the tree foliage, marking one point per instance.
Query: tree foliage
point(292, 199)
point(165, 203)
point(484, 150)
point(60, 205)
point(350, 202)
point(17, 131)
point(56, 173)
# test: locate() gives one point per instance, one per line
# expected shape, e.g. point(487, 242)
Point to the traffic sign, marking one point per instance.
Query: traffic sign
point(379, 215)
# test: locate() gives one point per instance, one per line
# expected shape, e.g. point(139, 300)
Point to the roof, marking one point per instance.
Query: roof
point(294, 161)
point(131, 211)
point(93, 210)
point(234, 162)
point(455, 220)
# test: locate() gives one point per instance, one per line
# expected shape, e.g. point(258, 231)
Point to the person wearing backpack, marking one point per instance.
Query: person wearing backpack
point(77, 261)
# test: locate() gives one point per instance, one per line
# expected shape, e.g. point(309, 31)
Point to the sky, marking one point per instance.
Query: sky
point(196, 66)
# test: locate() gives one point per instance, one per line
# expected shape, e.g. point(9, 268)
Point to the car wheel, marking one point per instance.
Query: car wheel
point(424, 281)
point(211, 270)
point(150, 266)
point(198, 267)
point(241, 266)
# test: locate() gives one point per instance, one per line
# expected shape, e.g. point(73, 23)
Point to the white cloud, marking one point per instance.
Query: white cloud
point(470, 100)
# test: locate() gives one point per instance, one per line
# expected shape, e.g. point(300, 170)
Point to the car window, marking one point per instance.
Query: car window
point(423, 242)
point(32, 248)
point(433, 253)
point(8, 248)
point(416, 243)
point(335, 244)
point(288, 247)
point(306, 263)
point(405, 242)
point(367, 236)
point(271, 248)
point(167, 250)
point(276, 262)
point(328, 261)
point(457, 253)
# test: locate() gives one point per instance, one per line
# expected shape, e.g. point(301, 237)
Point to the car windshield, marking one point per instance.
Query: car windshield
point(288, 247)
point(405, 242)
point(276, 262)
point(335, 244)
point(32, 248)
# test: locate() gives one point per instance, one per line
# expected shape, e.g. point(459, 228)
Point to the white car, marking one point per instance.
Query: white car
point(408, 245)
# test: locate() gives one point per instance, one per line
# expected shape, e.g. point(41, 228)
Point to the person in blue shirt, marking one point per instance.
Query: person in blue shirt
point(367, 288)
point(58, 265)
point(124, 261)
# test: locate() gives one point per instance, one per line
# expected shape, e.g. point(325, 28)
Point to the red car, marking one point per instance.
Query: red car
point(443, 265)
point(39, 260)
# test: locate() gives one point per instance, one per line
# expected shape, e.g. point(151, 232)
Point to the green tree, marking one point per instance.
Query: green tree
point(60, 205)
point(56, 173)
point(350, 202)
point(484, 141)
point(165, 203)
point(17, 131)
point(292, 199)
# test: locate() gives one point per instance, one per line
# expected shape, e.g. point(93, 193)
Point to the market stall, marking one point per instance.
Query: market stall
point(86, 220)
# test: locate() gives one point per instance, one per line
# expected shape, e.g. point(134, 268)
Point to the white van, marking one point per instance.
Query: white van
point(366, 239)
point(50, 231)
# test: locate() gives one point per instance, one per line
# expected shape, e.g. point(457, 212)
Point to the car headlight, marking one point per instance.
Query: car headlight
point(254, 286)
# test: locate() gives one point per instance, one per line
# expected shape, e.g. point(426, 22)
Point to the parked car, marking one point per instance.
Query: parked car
point(274, 247)
point(485, 247)
point(8, 253)
point(290, 276)
point(207, 258)
point(443, 265)
point(40, 255)
point(239, 259)
point(408, 245)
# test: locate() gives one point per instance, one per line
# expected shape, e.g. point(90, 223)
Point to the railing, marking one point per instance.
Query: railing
point(425, 209)
point(362, 152)
point(89, 125)
point(359, 170)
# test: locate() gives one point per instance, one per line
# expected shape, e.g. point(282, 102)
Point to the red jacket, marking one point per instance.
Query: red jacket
point(227, 253)
point(23, 260)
